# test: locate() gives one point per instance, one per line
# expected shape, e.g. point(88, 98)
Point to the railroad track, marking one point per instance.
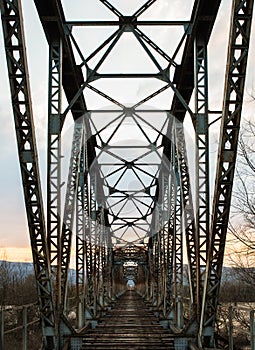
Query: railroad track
point(129, 325)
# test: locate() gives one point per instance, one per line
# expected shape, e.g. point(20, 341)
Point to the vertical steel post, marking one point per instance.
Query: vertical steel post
point(238, 49)
point(12, 21)
point(202, 160)
point(105, 265)
point(110, 267)
point(177, 241)
point(170, 247)
point(89, 250)
point(54, 167)
point(150, 270)
point(91, 244)
point(54, 152)
point(155, 267)
point(69, 209)
point(94, 241)
point(101, 254)
point(167, 247)
point(160, 237)
point(81, 220)
point(187, 209)
point(81, 314)
point(178, 255)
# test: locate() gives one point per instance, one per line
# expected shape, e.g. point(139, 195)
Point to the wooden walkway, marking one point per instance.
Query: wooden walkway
point(128, 325)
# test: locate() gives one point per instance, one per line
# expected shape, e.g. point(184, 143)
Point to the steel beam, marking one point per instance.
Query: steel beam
point(80, 237)
point(202, 21)
point(178, 246)
point(158, 244)
point(188, 211)
point(69, 209)
point(202, 158)
point(167, 244)
point(165, 255)
point(232, 107)
point(156, 267)
point(171, 242)
point(117, 23)
point(54, 154)
point(12, 21)
point(54, 170)
point(95, 244)
point(54, 30)
point(88, 241)
point(92, 239)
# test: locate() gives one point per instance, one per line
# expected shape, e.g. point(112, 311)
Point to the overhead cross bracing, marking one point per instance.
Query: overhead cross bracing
point(130, 81)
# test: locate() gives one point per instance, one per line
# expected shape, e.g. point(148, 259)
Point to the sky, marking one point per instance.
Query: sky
point(14, 239)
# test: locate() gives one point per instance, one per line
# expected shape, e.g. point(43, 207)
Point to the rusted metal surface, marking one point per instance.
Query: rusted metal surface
point(129, 325)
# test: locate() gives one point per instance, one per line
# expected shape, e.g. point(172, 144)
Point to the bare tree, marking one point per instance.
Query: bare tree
point(6, 280)
point(242, 227)
point(17, 283)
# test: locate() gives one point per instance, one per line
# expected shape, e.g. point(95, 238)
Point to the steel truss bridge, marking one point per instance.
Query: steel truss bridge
point(128, 206)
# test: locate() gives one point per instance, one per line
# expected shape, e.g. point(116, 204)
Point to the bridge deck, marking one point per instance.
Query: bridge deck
point(129, 325)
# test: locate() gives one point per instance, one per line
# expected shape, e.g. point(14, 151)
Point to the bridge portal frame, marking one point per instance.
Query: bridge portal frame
point(185, 80)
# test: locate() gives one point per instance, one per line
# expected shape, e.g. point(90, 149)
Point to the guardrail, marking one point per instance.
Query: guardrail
point(232, 310)
point(23, 327)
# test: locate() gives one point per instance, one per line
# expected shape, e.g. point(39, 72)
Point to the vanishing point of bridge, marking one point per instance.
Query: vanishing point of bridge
point(148, 244)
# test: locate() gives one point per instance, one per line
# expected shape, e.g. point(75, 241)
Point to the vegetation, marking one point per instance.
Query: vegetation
point(242, 254)
point(18, 288)
point(237, 289)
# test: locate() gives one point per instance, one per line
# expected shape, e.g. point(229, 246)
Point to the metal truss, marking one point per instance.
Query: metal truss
point(119, 197)
point(12, 20)
point(202, 158)
point(232, 107)
point(69, 209)
point(96, 242)
point(178, 245)
point(167, 243)
point(129, 183)
point(92, 252)
point(170, 250)
point(150, 272)
point(54, 168)
point(156, 266)
point(80, 238)
point(188, 212)
point(54, 152)
point(202, 20)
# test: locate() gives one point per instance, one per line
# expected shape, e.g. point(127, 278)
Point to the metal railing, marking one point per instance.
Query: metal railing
point(233, 311)
point(24, 327)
